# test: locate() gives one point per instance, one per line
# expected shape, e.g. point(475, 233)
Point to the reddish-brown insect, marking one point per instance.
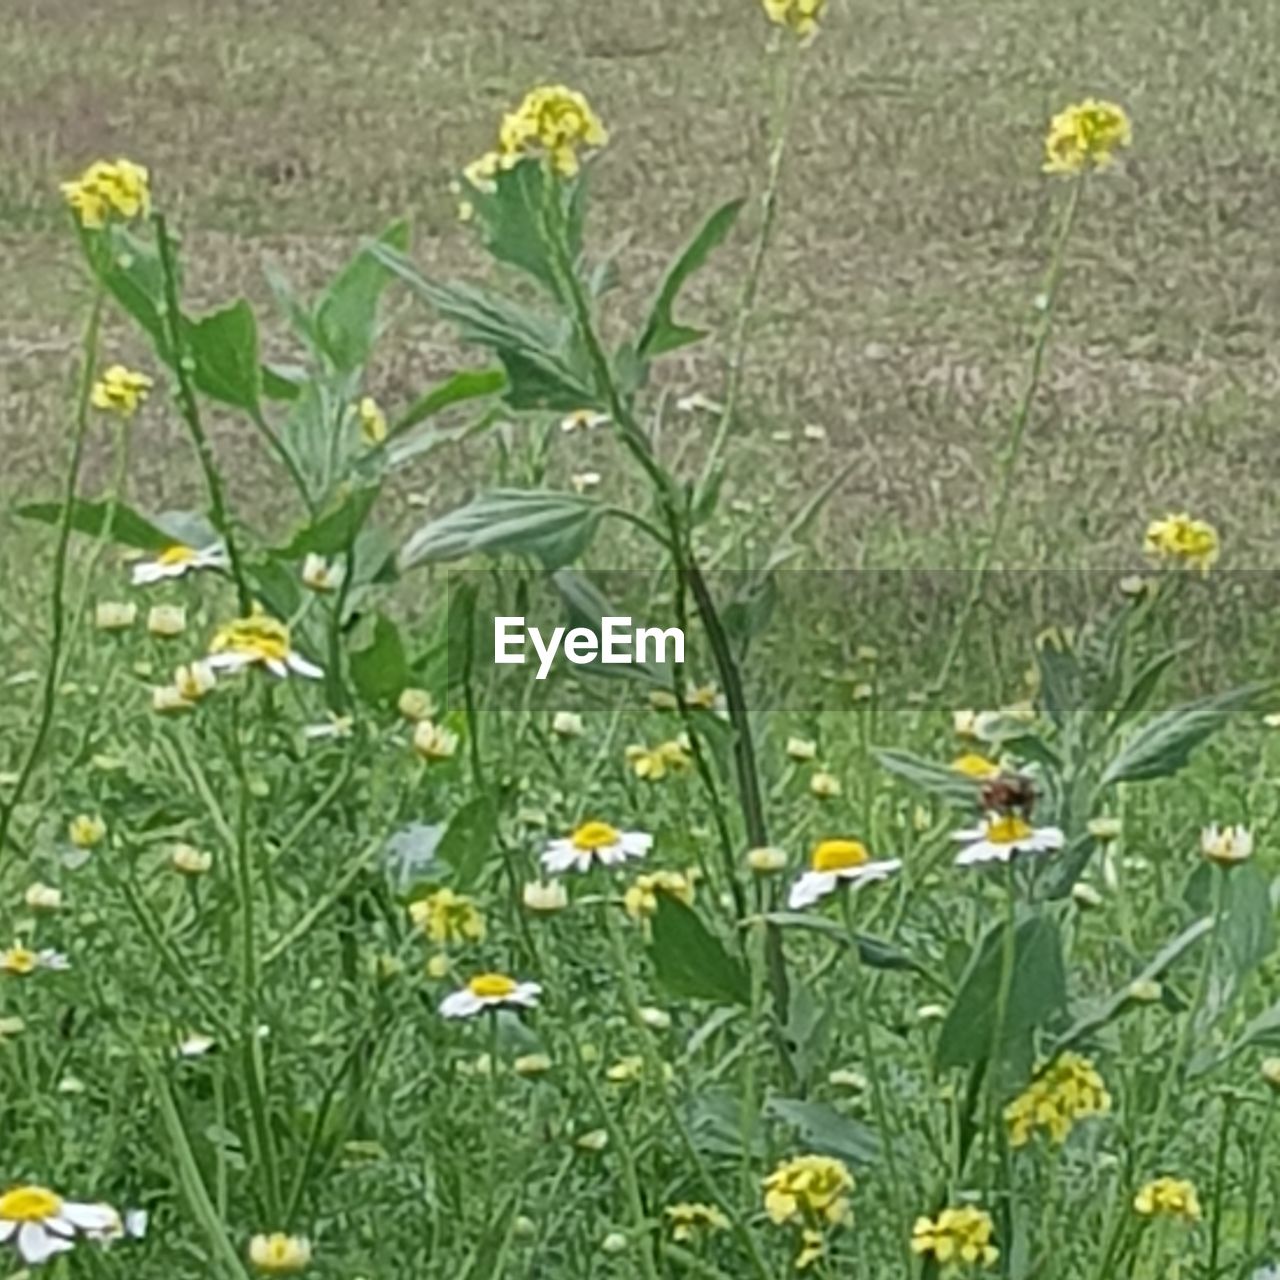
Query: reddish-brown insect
point(1010, 793)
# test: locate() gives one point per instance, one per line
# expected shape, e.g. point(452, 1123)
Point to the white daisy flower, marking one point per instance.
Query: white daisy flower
point(195, 1045)
point(178, 559)
point(490, 991)
point(19, 961)
point(837, 862)
point(258, 640)
point(696, 402)
point(583, 420)
point(595, 842)
point(319, 575)
point(1226, 846)
point(40, 1223)
point(1001, 837)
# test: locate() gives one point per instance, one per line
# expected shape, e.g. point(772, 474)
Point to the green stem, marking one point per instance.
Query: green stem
point(49, 695)
point(1017, 435)
point(1255, 1176)
point(189, 406)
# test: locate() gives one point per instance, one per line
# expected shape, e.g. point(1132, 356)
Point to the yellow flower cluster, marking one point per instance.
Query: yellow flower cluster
point(120, 390)
point(641, 898)
point(654, 763)
point(956, 1237)
point(808, 1190)
point(105, 189)
point(1168, 1198)
point(552, 121)
point(1085, 136)
point(800, 15)
point(1069, 1089)
point(687, 1220)
point(1181, 540)
point(445, 916)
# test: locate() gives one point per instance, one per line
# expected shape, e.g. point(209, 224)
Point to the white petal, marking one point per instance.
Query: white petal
point(635, 844)
point(983, 851)
point(560, 855)
point(527, 994)
point(145, 574)
point(7, 1228)
point(136, 1222)
point(36, 1245)
point(461, 1004)
point(970, 833)
point(90, 1217)
point(611, 855)
point(228, 661)
point(304, 668)
point(1050, 838)
point(870, 872)
point(809, 888)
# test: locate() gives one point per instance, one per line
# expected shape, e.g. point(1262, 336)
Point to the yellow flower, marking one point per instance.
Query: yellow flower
point(641, 897)
point(801, 16)
point(1181, 540)
point(824, 785)
point(545, 899)
point(956, 1237)
point(434, 742)
point(445, 916)
point(19, 961)
point(688, 1220)
point(807, 1190)
point(105, 189)
point(279, 1254)
point(258, 640)
point(553, 121)
point(86, 831)
point(766, 861)
point(120, 391)
point(373, 422)
point(1270, 1070)
point(532, 1064)
point(1085, 135)
point(652, 764)
point(1145, 990)
point(975, 766)
point(802, 748)
point(43, 897)
point(1168, 1198)
point(194, 680)
point(1069, 1089)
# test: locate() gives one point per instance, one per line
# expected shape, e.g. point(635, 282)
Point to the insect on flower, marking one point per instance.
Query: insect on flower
point(1000, 838)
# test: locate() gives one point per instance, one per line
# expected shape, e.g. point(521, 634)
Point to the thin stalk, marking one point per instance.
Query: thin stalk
point(57, 608)
point(1017, 434)
point(1255, 1176)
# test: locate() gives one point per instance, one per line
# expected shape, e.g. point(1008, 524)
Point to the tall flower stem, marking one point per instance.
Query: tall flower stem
point(57, 603)
point(1017, 433)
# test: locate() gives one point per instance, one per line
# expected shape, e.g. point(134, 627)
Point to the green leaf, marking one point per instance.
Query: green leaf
point(224, 346)
point(587, 607)
point(380, 670)
point(1037, 992)
point(332, 533)
point(469, 384)
point(129, 269)
point(124, 525)
point(1059, 678)
point(542, 369)
point(937, 779)
point(874, 952)
point(347, 313)
point(1248, 923)
point(823, 1129)
point(1144, 686)
point(690, 961)
point(663, 333)
point(554, 528)
point(1162, 746)
point(468, 840)
point(283, 381)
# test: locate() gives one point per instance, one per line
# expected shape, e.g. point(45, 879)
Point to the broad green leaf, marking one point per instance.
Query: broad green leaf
point(823, 1129)
point(129, 269)
point(553, 528)
point(690, 961)
point(1143, 687)
point(380, 670)
point(1248, 922)
point(336, 530)
point(1162, 746)
point(282, 381)
point(542, 370)
point(347, 313)
point(124, 525)
point(468, 840)
point(469, 384)
point(663, 333)
point(224, 346)
point(1037, 993)
point(937, 779)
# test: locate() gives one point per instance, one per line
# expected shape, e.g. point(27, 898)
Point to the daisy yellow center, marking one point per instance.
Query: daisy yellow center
point(595, 835)
point(263, 638)
point(19, 960)
point(177, 554)
point(491, 986)
point(840, 855)
point(29, 1204)
point(1008, 830)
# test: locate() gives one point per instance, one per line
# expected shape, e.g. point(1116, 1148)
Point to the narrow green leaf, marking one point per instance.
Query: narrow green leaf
point(663, 333)
point(469, 384)
point(347, 313)
point(336, 530)
point(823, 1129)
point(125, 525)
point(937, 779)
